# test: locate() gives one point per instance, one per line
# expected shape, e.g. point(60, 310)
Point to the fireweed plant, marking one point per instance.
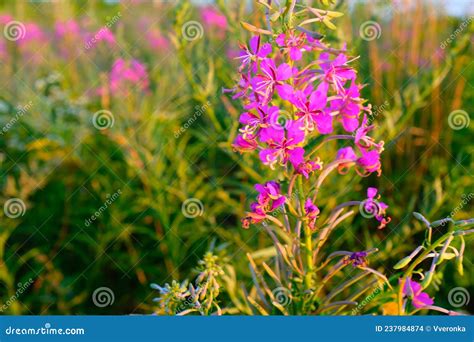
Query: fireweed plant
point(292, 108)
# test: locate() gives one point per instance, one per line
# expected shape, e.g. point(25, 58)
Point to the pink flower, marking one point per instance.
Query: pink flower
point(363, 141)
point(348, 106)
point(126, 75)
point(268, 199)
point(251, 55)
point(348, 154)
point(214, 19)
point(102, 35)
point(376, 208)
point(370, 162)
point(418, 298)
point(308, 167)
point(293, 43)
point(283, 147)
point(33, 35)
point(157, 41)
point(242, 144)
point(269, 195)
point(336, 72)
point(311, 213)
point(67, 29)
point(272, 78)
point(261, 118)
point(310, 110)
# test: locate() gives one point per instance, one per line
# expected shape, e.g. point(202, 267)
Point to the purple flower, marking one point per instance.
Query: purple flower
point(67, 29)
point(345, 153)
point(272, 78)
point(363, 141)
point(357, 259)
point(256, 215)
point(269, 198)
point(214, 19)
point(269, 193)
point(293, 43)
point(348, 107)
point(310, 110)
point(370, 162)
point(336, 72)
point(125, 75)
point(308, 167)
point(418, 298)
point(375, 207)
point(283, 147)
point(252, 54)
point(242, 144)
point(311, 213)
point(262, 118)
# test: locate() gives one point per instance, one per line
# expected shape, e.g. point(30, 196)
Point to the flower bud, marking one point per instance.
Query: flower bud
point(402, 263)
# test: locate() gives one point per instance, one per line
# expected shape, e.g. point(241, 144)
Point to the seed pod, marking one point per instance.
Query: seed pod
point(402, 263)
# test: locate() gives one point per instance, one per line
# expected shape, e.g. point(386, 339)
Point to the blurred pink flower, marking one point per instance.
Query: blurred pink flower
point(126, 76)
point(157, 41)
point(213, 18)
point(102, 35)
point(33, 34)
point(5, 19)
point(67, 29)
